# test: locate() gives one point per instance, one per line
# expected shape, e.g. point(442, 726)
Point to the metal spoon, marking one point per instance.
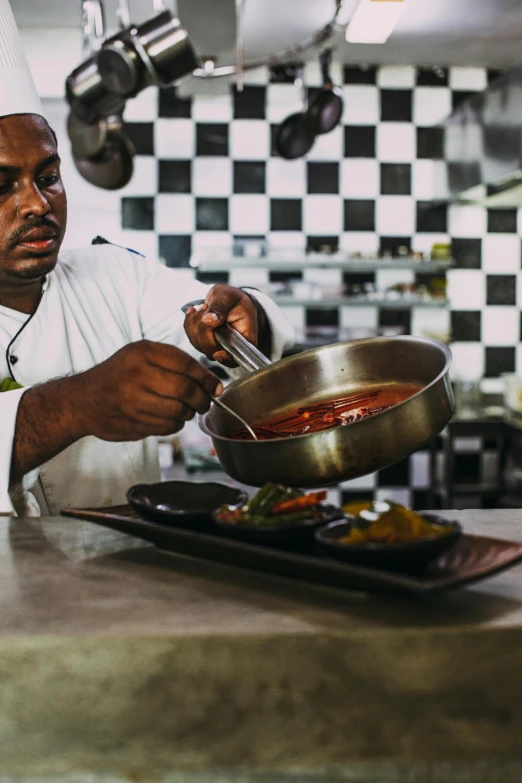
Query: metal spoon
point(224, 407)
point(241, 351)
point(228, 340)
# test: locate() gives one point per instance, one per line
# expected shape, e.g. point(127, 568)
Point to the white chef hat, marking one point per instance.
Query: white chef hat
point(17, 90)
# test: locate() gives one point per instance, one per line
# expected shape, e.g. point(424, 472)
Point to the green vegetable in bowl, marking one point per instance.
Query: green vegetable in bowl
point(274, 506)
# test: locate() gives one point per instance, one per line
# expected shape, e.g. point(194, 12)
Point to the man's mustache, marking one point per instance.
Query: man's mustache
point(18, 235)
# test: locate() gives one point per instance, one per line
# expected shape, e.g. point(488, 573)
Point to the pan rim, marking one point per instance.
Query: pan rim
point(290, 359)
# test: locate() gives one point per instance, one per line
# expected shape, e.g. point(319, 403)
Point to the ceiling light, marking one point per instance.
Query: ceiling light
point(374, 20)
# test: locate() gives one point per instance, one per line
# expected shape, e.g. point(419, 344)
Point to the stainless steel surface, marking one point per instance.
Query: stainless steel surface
point(119, 66)
point(87, 140)
point(386, 303)
point(217, 401)
point(169, 48)
point(244, 353)
point(440, 32)
point(88, 96)
point(483, 145)
point(123, 14)
point(90, 140)
point(93, 26)
point(157, 52)
point(341, 453)
point(240, 44)
point(265, 41)
point(296, 261)
point(84, 89)
point(113, 168)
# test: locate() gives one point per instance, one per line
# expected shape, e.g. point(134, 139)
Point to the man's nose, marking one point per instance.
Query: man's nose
point(32, 202)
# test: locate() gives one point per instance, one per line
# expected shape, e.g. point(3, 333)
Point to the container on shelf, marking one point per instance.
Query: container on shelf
point(467, 395)
point(304, 290)
point(441, 251)
point(512, 391)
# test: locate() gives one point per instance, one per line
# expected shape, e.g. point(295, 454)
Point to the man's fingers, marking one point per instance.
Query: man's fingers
point(223, 358)
point(223, 304)
point(181, 364)
point(166, 409)
point(204, 338)
point(220, 300)
point(157, 427)
point(244, 322)
point(174, 388)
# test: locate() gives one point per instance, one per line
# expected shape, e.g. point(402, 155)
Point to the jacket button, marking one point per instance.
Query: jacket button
point(13, 359)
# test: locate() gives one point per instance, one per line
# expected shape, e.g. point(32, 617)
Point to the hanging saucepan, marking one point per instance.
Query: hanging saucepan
point(112, 167)
point(326, 110)
point(333, 455)
point(293, 139)
point(157, 52)
point(87, 95)
point(84, 89)
point(87, 139)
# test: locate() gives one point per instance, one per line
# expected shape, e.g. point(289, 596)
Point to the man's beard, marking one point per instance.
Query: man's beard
point(28, 273)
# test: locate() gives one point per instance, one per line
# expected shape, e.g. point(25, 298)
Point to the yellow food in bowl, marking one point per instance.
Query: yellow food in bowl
point(397, 524)
point(356, 506)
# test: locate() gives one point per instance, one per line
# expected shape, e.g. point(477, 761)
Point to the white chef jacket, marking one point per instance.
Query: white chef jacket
point(96, 300)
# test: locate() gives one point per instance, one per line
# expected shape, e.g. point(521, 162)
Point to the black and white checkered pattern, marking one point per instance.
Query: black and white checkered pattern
point(207, 172)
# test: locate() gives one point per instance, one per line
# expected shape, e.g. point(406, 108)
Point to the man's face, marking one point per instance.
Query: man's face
point(33, 206)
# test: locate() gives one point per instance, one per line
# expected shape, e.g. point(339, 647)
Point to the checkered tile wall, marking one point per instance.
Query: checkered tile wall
point(208, 172)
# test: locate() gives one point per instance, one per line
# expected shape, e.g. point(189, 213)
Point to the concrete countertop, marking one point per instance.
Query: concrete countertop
point(116, 658)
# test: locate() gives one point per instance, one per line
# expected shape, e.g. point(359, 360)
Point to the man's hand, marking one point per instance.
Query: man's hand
point(234, 307)
point(144, 389)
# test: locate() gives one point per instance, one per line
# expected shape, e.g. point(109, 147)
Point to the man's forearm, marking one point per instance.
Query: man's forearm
point(47, 423)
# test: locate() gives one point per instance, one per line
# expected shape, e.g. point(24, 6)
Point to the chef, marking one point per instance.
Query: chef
point(97, 358)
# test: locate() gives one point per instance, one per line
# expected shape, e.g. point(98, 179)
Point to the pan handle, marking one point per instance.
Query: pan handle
point(243, 352)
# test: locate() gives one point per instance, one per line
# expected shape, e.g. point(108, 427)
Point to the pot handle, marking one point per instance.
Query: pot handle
point(243, 352)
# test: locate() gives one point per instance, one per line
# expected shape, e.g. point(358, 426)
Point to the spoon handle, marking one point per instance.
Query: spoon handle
point(243, 352)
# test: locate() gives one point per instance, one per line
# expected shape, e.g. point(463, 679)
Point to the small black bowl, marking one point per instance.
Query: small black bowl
point(187, 504)
point(294, 536)
point(408, 557)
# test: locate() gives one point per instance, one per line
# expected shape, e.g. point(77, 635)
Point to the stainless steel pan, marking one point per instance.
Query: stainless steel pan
point(342, 453)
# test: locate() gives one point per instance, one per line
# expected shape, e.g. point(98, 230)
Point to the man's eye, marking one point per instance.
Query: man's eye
point(50, 179)
point(4, 187)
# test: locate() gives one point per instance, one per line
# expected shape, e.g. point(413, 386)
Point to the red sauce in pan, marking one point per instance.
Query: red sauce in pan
point(337, 412)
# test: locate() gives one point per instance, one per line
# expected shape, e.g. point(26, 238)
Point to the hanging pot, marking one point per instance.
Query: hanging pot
point(87, 140)
point(157, 52)
point(294, 140)
point(113, 166)
point(84, 89)
point(326, 110)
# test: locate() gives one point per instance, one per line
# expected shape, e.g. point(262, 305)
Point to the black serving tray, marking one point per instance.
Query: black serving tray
point(471, 557)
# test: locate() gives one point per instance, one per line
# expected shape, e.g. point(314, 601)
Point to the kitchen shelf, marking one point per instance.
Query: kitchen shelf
point(300, 262)
point(479, 488)
point(382, 304)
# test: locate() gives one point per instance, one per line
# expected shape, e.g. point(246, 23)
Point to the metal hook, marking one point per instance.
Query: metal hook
point(123, 14)
point(240, 45)
point(93, 26)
